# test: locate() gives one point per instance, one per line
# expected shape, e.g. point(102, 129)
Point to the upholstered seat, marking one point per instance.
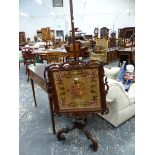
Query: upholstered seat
point(121, 104)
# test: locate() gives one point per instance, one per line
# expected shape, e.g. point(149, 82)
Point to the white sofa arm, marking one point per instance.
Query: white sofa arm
point(111, 73)
point(117, 96)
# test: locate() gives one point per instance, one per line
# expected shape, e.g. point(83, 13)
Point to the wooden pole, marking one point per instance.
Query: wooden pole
point(73, 30)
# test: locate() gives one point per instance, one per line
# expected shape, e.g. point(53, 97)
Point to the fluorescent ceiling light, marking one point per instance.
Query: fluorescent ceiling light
point(39, 1)
point(24, 14)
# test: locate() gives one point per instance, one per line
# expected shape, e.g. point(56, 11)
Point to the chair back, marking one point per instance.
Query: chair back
point(77, 88)
point(99, 51)
point(28, 56)
point(103, 43)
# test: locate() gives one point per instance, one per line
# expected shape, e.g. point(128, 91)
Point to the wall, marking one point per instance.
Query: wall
point(88, 14)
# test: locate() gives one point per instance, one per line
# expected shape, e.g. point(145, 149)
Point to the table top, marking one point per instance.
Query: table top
point(38, 70)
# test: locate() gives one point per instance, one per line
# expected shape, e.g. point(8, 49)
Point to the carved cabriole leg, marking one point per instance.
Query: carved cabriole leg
point(94, 144)
point(60, 136)
point(80, 126)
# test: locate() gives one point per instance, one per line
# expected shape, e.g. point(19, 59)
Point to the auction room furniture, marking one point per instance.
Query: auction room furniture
point(22, 39)
point(47, 37)
point(71, 53)
point(77, 89)
point(112, 55)
point(112, 43)
point(29, 59)
point(104, 32)
point(121, 104)
point(126, 54)
point(99, 52)
point(56, 57)
point(127, 36)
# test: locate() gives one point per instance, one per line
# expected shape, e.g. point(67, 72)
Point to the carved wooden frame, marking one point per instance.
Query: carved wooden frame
point(76, 65)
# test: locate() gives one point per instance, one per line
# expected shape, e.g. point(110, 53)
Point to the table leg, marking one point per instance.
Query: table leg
point(52, 115)
point(32, 84)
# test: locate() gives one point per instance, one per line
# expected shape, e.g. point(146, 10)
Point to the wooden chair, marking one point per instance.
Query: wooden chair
point(29, 58)
point(76, 89)
point(99, 51)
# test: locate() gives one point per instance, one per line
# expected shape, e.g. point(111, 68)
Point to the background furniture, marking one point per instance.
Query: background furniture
point(121, 104)
point(47, 37)
point(112, 55)
point(112, 43)
point(104, 32)
point(127, 36)
point(71, 53)
point(56, 57)
point(29, 59)
point(70, 94)
point(36, 73)
point(22, 39)
point(99, 52)
point(126, 54)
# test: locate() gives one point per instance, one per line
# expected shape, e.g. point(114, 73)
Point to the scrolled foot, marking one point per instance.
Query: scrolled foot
point(94, 146)
point(60, 136)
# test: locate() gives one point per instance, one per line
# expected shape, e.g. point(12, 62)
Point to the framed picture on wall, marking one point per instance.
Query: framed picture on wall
point(57, 3)
point(60, 34)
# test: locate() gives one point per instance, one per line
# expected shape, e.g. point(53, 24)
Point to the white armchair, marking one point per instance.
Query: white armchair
point(121, 103)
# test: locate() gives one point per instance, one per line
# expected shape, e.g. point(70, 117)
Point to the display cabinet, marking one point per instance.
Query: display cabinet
point(127, 36)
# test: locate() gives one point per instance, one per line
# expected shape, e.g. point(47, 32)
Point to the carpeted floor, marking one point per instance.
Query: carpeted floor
point(35, 129)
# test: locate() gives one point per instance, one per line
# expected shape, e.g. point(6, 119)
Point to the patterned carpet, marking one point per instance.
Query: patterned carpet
point(35, 129)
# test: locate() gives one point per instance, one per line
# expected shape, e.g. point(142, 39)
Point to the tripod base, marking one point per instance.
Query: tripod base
point(81, 126)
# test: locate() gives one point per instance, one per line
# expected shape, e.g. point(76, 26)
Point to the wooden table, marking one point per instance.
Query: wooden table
point(37, 75)
point(126, 51)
